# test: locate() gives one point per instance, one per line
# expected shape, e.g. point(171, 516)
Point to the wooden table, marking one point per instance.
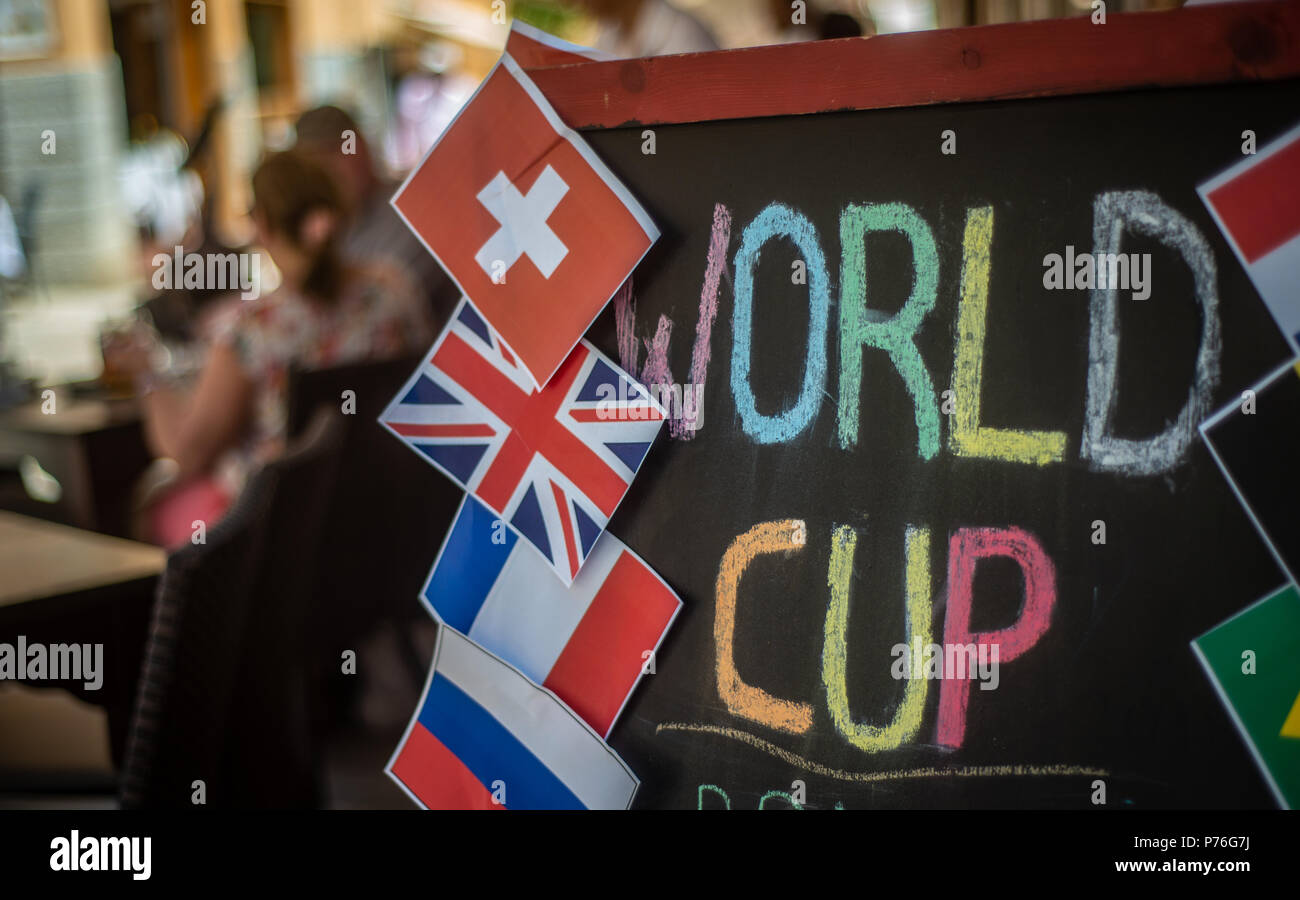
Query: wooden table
point(64, 585)
point(95, 447)
point(41, 560)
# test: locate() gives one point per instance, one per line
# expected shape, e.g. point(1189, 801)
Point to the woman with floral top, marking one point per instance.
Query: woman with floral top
point(325, 312)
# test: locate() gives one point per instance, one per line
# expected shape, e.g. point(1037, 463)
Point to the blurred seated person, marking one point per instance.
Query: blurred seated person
point(373, 230)
point(819, 24)
point(632, 28)
point(163, 179)
point(326, 311)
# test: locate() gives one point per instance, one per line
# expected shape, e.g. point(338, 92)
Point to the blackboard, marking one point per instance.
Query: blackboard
point(1110, 690)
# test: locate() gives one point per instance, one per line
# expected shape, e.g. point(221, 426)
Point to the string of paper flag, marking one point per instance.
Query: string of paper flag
point(546, 622)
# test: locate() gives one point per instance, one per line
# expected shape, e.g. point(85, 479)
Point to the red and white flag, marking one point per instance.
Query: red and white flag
point(1256, 204)
point(527, 220)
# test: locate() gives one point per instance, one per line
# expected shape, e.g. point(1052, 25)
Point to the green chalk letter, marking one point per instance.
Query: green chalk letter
point(895, 335)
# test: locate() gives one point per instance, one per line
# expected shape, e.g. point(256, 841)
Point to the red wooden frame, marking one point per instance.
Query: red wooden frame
point(1197, 45)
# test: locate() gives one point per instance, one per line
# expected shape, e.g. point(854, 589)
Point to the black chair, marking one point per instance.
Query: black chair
point(187, 682)
point(274, 755)
point(223, 695)
point(388, 513)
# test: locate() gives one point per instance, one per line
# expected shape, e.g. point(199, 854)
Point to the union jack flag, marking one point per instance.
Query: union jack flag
point(552, 463)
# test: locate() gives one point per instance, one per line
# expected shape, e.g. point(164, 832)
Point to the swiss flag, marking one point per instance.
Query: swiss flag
point(528, 221)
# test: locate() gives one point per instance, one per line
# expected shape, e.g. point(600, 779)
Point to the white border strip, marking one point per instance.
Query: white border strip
point(1213, 420)
point(582, 147)
point(555, 43)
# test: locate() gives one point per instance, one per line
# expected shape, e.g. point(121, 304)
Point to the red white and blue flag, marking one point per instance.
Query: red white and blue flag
point(1256, 204)
point(588, 643)
point(552, 463)
point(485, 737)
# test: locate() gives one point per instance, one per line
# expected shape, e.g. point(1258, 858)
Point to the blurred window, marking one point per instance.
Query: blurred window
point(268, 35)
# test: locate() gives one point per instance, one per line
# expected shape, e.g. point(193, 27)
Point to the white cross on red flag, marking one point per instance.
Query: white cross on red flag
point(527, 220)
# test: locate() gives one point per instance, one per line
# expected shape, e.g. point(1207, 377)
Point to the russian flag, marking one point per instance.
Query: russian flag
point(486, 737)
point(587, 643)
point(1256, 204)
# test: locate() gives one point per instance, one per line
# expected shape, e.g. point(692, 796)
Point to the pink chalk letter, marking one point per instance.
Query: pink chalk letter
point(965, 549)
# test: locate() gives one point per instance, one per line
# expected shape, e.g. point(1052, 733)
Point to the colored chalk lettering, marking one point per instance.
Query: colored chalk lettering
point(775, 221)
point(907, 717)
point(895, 335)
point(968, 437)
point(966, 548)
point(746, 700)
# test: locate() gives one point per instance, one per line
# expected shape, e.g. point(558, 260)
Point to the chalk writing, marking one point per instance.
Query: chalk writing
point(965, 549)
point(968, 437)
point(907, 718)
point(1145, 213)
point(775, 221)
point(1050, 770)
point(895, 335)
point(684, 405)
point(743, 699)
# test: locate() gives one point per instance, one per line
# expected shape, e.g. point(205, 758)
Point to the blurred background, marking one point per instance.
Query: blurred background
point(128, 86)
point(129, 128)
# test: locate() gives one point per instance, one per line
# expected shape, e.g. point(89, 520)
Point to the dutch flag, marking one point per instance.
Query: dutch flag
point(1256, 204)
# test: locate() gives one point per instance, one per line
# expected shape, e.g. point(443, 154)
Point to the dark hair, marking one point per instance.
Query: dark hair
point(287, 187)
point(325, 125)
point(838, 25)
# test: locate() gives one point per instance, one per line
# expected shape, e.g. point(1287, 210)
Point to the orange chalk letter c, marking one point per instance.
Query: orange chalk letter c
point(743, 699)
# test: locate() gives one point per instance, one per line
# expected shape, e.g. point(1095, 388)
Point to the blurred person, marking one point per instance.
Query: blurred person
point(163, 197)
point(326, 311)
point(373, 230)
point(833, 25)
point(173, 207)
point(427, 95)
point(632, 28)
point(820, 24)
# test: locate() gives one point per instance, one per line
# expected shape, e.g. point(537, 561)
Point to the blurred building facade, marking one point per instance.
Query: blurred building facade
point(61, 135)
point(99, 74)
